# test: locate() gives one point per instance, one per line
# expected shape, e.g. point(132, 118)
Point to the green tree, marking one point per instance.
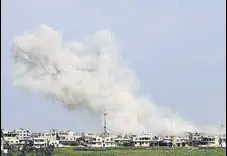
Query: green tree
point(12, 150)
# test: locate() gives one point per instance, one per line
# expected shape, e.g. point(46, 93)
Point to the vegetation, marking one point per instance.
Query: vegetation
point(28, 151)
point(143, 152)
point(127, 151)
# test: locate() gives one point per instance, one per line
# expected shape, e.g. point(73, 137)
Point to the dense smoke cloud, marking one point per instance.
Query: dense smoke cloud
point(89, 75)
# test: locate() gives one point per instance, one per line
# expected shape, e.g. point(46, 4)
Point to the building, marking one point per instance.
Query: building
point(52, 138)
point(24, 137)
point(21, 137)
point(156, 141)
point(180, 141)
point(195, 138)
point(23, 134)
point(68, 138)
point(3, 143)
point(123, 141)
point(11, 137)
point(109, 142)
point(46, 139)
point(39, 142)
point(100, 141)
point(142, 141)
point(223, 140)
point(167, 141)
point(96, 141)
point(210, 141)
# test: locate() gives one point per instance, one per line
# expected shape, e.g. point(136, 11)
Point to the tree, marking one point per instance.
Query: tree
point(12, 150)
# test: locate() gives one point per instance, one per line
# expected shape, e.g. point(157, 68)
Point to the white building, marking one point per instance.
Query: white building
point(11, 137)
point(156, 140)
point(223, 140)
point(24, 136)
point(52, 138)
point(39, 141)
point(46, 139)
point(102, 142)
point(210, 141)
point(142, 141)
point(68, 138)
point(123, 141)
point(109, 142)
point(2, 146)
point(2, 143)
point(96, 140)
point(180, 141)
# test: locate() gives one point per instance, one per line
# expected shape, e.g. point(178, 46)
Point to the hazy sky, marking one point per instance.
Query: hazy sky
point(177, 48)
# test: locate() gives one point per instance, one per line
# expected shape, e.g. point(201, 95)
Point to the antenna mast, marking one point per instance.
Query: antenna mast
point(105, 114)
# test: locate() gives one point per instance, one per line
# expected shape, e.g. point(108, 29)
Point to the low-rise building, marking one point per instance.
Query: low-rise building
point(109, 142)
point(68, 138)
point(180, 141)
point(142, 141)
point(3, 143)
point(223, 140)
point(45, 139)
point(96, 141)
point(39, 142)
point(24, 137)
point(21, 137)
point(156, 141)
point(123, 141)
point(23, 134)
point(11, 137)
point(100, 141)
point(167, 140)
point(210, 141)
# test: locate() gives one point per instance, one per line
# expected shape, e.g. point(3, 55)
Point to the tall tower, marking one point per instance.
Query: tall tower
point(105, 114)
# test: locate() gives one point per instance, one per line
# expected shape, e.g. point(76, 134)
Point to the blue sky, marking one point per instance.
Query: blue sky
point(177, 48)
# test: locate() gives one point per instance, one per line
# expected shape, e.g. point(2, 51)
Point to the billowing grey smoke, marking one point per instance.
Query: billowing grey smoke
point(89, 75)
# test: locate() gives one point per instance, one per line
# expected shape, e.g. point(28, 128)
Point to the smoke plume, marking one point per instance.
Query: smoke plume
point(89, 75)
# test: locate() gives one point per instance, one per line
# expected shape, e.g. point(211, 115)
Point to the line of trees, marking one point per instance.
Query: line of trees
point(26, 149)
